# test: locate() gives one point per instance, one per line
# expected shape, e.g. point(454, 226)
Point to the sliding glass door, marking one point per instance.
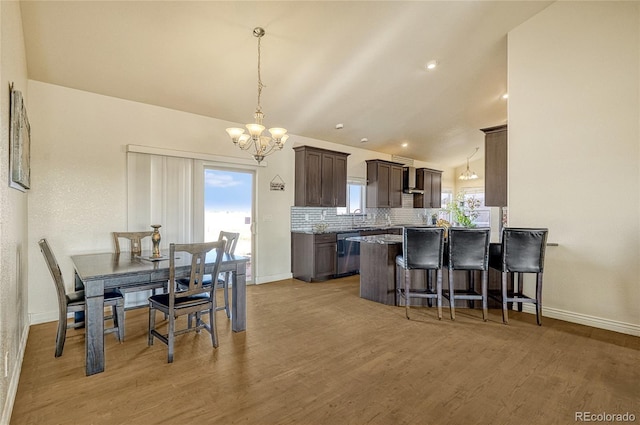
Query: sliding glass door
point(228, 206)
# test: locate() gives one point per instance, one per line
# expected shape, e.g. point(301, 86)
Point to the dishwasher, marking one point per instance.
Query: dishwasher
point(348, 252)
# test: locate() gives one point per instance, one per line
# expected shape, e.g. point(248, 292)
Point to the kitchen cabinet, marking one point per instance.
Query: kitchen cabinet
point(313, 256)
point(495, 166)
point(431, 182)
point(320, 177)
point(384, 184)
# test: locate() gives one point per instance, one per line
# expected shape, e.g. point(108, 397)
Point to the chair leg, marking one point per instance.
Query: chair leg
point(213, 329)
point(539, 298)
point(407, 299)
point(226, 294)
point(452, 309)
point(505, 317)
point(171, 336)
point(61, 335)
point(152, 324)
point(118, 319)
point(439, 292)
point(485, 291)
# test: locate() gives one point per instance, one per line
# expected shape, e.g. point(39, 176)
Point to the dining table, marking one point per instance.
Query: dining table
point(98, 272)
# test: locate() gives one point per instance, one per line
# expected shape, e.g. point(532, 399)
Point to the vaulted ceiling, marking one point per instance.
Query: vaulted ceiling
point(358, 63)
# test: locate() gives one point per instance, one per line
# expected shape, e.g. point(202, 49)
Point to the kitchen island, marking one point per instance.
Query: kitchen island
point(378, 267)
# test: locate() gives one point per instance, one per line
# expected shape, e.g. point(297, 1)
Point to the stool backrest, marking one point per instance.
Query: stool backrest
point(423, 247)
point(468, 248)
point(523, 249)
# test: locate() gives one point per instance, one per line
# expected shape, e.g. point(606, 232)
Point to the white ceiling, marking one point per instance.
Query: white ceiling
point(360, 63)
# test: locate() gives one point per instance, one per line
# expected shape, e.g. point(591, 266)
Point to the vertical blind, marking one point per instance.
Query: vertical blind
point(160, 191)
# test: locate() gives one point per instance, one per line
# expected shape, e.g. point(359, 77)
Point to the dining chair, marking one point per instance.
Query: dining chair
point(422, 249)
point(224, 279)
point(468, 250)
point(521, 251)
point(135, 248)
point(134, 238)
point(196, 299)
point(72, 302)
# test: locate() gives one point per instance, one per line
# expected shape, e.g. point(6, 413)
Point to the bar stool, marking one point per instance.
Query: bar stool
point(468, 249)
point(422, 249)
point(521, 251)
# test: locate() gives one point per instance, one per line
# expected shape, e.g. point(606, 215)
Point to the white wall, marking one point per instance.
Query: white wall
point(13, 217)
point(574, 155)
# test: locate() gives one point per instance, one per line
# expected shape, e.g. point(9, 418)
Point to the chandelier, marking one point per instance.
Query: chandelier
point(259, 145)
point(468, 174)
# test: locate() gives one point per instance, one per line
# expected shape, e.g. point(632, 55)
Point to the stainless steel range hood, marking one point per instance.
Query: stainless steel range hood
point(409, 181)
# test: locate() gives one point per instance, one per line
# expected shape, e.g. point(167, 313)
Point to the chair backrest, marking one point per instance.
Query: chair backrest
point(423, 247)
point(232, 241)
point(198, 253)
point(523, 249)
point(468, 248)
point(135, 240)
point(54, 269)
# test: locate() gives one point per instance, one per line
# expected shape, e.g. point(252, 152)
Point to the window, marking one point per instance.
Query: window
point(355, 198)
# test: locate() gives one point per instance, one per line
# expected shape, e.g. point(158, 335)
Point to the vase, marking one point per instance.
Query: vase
point(155, 239)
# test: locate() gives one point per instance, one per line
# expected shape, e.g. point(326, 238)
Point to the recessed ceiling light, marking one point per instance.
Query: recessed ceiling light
point(364, 140)
point(505, 96)
point(339, 126)
point(431, 65)
point(405, 144)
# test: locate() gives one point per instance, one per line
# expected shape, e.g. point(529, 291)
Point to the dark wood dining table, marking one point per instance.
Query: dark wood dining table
point(102, 271)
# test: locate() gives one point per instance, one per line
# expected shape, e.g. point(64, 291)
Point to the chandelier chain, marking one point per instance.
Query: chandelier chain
point(260, 85)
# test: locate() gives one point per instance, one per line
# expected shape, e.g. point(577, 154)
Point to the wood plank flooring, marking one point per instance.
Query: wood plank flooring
point(318, 354)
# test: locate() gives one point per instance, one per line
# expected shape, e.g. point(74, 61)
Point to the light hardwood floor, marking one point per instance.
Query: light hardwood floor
point(318, 354)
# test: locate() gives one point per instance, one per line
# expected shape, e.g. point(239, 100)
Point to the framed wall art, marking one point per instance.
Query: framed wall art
point(19, 143)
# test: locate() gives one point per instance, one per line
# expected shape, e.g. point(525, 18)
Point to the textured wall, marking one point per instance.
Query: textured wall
point(13, 216)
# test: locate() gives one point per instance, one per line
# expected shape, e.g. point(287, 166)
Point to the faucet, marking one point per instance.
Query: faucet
point(353, 217)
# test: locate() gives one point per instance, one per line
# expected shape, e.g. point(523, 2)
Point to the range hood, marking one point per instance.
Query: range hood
point(409, 181)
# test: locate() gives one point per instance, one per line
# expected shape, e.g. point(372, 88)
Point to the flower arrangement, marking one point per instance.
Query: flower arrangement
point(463, 210)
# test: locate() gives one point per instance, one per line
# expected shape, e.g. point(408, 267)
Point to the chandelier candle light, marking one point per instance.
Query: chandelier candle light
point(261, 145)
point(468, 175)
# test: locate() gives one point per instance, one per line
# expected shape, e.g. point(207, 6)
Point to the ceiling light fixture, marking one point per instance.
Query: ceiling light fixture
point(468, 175)
point(505, 96)
point(431, 64)
point(261, 145)
point(405, 144)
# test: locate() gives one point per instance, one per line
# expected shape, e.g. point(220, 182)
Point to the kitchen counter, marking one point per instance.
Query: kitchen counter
point(385, 239)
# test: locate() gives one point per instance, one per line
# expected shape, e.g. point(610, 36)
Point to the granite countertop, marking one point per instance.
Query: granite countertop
point(381, 239)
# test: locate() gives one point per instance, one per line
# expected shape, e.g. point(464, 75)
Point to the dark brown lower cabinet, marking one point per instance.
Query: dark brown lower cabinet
point(313, 256)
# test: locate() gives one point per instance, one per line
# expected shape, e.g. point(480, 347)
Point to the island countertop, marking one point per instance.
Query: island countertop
point(385, 239)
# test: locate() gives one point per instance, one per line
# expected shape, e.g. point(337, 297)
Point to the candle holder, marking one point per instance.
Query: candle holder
point(155, 238)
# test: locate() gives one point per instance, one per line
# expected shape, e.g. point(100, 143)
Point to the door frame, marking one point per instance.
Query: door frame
point(198, 203)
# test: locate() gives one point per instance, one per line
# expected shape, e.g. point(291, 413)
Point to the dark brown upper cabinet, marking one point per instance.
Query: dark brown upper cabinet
point(384, 184)
point(495, 166)
point(320, 177)
point(431, 182)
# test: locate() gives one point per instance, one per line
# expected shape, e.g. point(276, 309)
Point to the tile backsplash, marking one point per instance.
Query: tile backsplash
point(304, 218)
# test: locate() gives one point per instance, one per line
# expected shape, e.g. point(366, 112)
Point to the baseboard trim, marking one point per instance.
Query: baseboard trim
point(585, 319)
point(273, 278)
point(12, 391)
point(37, 318)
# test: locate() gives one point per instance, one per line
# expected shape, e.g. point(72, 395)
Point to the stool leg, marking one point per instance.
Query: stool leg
point(505, 317)
point(407, 300)
point(485, 291)
point(452, 309)
point(439, 292)
point(471, 286)
point(539, 298)
point(429, 287)
point(520, 289)
point(510, 286)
